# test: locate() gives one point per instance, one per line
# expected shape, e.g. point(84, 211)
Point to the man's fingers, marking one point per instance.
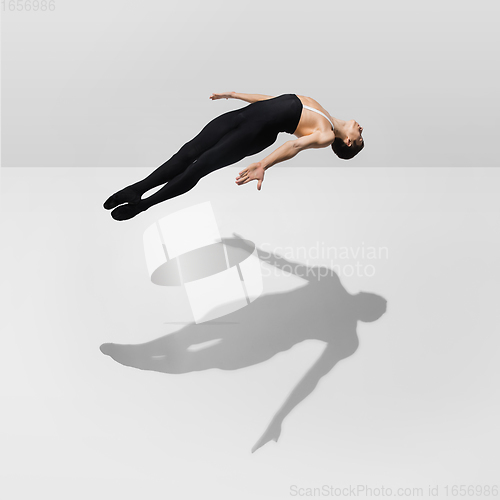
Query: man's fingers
point(241, 182)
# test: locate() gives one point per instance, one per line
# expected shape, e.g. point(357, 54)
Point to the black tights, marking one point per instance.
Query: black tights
point(225, 140)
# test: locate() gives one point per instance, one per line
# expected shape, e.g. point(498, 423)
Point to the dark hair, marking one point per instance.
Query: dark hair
point(342, 150)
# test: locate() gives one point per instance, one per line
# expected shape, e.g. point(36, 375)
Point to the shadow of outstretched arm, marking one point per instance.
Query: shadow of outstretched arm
point(301, 270)
point(328, 359)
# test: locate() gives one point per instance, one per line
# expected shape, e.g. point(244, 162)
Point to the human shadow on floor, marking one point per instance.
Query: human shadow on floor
point(272, 323)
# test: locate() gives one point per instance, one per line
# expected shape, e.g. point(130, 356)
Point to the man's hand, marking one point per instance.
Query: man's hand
point(254, 172)
point(222, 95)
point(272, 433)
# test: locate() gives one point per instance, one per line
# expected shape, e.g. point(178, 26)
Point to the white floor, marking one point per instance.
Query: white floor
point(416, 406)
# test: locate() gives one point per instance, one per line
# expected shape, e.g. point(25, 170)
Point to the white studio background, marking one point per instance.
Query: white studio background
point(124, 84)
point(95, 95)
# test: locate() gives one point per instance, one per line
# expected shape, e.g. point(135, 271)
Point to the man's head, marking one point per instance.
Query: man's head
point(351, 144)
point(369, 306)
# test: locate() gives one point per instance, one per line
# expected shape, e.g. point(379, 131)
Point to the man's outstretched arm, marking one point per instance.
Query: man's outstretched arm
point(288, 150)
point(237, 95)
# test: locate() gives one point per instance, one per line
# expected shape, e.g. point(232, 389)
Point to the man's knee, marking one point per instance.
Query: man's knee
point(187, 154)
point(199, 168)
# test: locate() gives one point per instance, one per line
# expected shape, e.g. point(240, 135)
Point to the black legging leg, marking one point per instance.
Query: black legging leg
point(245, 140)
point(210, 135)
point(232, 148)
point(180, 161)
